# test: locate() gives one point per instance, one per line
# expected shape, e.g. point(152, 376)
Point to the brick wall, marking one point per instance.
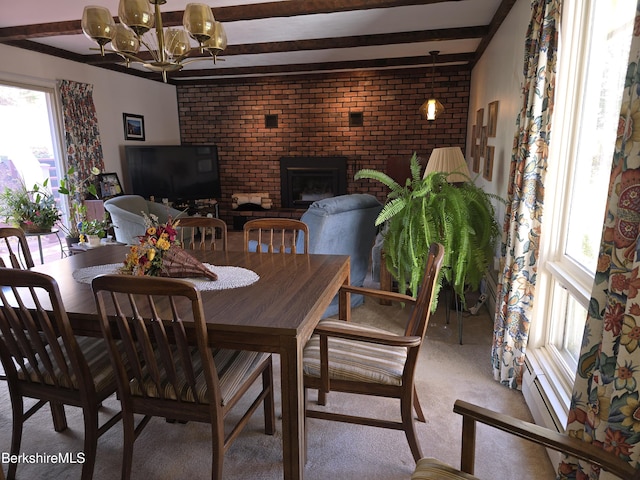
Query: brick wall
point(313, 120)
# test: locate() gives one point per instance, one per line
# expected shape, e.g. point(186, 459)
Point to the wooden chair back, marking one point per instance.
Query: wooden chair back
point(203, 233)
point(275, 235)
point(166, 367)
point(17, 247)
point(150, 315)
point(42, 359)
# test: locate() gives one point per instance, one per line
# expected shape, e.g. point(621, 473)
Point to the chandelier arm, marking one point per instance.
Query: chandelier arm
point(126, 56)
point(157, 54)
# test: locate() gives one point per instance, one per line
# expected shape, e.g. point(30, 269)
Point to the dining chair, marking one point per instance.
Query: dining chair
point(17, 247)
point(208, 230)
point(359, 359)
point(173, 372)
point(43, 360)
point(433, 469)
point(275, 235)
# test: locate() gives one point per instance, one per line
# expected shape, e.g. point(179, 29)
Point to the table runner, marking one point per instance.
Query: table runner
point(228, 277)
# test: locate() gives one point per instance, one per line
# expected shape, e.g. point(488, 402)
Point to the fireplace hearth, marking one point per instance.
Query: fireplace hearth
point(303, 180)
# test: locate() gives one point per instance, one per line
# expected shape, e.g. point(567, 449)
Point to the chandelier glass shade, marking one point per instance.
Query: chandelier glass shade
point(141, 25)
point(432, 108)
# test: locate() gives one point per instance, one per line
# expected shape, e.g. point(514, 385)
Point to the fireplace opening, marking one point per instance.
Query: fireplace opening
point(303, 180)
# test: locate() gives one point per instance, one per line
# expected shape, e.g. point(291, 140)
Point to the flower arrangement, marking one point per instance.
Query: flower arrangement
point(77, 190)
point(159, 253)
point(146, 258)
point(33, 210)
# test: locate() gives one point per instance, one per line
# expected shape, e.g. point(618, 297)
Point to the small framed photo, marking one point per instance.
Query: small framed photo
point(109, 185)
point(493, 119)
point(487, 172)
point(479, 119)
point(133, 126)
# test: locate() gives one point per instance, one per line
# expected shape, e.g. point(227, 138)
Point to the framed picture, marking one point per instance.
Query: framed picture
point(133, 126)
point(487, 172)
point(108, 185)
point(476, 159)
point(493, 119)
point(483, 141)
point(479, 119)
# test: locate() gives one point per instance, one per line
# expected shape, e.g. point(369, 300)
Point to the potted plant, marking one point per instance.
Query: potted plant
point(92, 231)
point(461, 217)
point(77, 191)
point(34, 210)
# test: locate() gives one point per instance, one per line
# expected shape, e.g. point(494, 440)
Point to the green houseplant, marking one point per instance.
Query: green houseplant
point(77, 190)
point(425, 210)
point(34, 210)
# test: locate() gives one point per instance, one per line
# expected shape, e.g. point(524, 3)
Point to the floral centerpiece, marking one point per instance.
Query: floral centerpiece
point(160, 254)
point(32, 210)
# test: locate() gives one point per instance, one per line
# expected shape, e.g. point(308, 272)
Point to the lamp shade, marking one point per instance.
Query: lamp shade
point(448, 160)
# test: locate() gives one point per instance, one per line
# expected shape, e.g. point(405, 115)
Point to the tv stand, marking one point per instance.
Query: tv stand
point(201, 207)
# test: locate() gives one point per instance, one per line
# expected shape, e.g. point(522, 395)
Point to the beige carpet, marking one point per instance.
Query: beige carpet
point(335, 451)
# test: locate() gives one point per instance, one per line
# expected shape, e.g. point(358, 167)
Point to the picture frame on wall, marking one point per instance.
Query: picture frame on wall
point(133, 126)
point(487, 171)
point(108, 185)
point(479, 119)
point(492, 122)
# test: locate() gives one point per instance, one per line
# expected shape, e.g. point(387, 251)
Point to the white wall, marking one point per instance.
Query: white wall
point(113, 94)
point(498, 77)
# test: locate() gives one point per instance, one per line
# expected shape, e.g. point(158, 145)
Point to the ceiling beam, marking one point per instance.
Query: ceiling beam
point(234, 13)
point(343, 65)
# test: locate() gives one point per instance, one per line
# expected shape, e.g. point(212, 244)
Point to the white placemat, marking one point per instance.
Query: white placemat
point(228, 277)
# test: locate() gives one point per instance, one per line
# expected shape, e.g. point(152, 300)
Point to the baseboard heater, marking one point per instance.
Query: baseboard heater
point(539, 403)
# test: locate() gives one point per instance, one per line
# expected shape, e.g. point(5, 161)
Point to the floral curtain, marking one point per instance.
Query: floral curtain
point(605, 405)
point(82, 138)
point(526, 194)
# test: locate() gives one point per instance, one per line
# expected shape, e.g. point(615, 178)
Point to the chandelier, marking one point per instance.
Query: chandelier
point(432, 107)
point(170, 48)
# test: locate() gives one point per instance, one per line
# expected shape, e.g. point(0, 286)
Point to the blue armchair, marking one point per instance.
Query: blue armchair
point(344, 225)
point(126, 216)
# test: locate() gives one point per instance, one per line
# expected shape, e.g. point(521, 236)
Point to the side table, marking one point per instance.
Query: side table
point(39, 235)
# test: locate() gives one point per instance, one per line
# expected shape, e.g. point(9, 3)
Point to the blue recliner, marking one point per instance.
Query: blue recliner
point(344, 225)
point(126, 216)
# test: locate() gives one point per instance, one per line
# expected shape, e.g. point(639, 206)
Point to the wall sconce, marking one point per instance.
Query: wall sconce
point(432, 107)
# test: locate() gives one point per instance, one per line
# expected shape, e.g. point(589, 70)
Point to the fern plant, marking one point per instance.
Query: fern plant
point(425, 210)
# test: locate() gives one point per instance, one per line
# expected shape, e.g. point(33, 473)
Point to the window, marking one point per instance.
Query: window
point(29, 136)
point(591, 69)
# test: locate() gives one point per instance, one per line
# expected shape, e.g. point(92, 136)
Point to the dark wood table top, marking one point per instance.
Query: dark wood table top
point(290, 291)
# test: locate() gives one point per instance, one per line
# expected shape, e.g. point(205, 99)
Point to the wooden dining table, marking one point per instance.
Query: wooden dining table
point(277, 314)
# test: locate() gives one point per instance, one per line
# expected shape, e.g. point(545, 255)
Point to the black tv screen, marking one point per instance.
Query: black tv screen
point(175, 172)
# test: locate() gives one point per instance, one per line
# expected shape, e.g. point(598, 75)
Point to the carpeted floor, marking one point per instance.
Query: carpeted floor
point(447, 371)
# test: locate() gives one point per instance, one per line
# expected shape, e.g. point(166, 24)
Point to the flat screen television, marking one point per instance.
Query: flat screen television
point(180, 173)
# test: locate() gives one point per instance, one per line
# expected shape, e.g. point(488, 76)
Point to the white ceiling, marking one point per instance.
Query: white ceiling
point(399, 35)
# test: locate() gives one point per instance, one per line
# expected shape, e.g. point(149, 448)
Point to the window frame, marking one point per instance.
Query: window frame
point(558, 273)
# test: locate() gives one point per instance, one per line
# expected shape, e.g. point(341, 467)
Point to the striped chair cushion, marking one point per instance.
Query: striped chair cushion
point(97, 356)
point(353, 360)
point(432, 469)
point(233, 368)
